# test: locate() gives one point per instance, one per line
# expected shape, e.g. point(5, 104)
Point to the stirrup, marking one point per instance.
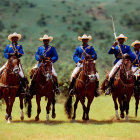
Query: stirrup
point(71, 92)
point(108, 91)
point(97, 94)
point(57, 91)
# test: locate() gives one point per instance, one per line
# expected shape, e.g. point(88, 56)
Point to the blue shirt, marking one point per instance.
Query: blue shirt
point(137, 61)
point(10, 49)
point(125, 49)
point(48, 51)
point(79, 53)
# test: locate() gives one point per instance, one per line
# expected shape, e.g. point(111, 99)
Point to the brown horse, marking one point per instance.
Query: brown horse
point(85, 88)
point(44, 87)
point(123, 88)
point(10, 85)
point(137, 93)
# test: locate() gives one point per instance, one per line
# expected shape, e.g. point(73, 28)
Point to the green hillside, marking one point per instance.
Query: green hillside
point(65, 20)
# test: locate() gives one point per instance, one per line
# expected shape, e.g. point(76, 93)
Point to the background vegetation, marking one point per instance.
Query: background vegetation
point(65, 20)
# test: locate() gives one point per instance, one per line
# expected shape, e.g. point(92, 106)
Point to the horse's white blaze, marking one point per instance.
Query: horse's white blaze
point(47, 117)
point(117, 114)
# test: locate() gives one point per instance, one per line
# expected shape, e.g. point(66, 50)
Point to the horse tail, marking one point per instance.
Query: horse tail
point(68, 106)
point(28, 104)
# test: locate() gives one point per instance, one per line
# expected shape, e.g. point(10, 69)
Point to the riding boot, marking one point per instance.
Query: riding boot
point(56, 89)
point(32, 88)
point(71, 87)
point(97, 89)
point(23, 85)
point(109, 87)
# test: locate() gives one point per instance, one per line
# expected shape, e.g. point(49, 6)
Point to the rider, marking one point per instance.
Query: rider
point(46, 51)
point(15, 49)
point(124, 49)
point(136, 66)
point(78, 57)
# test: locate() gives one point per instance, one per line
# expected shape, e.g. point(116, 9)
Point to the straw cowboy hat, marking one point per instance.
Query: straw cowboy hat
point(121, 36)
point(50, 38)
point(14, 35)
point(84, 37)
point(135, 42)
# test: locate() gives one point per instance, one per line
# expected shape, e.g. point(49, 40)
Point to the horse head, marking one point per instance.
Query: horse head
point(13, 65)
point(126, 67)
point(89, 68)
point(46, 68)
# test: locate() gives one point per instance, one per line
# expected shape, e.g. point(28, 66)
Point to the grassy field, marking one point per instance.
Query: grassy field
point(101, 126)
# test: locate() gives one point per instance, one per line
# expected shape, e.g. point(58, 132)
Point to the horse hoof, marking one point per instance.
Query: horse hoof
point(9, 120)
point(122, 116)
point(83, 119)
point(22, 118)
point(53, 116)
point(73, 120)
point(36, 119)
point(126, 118)
point(6, 117)
point(87, 118)
point(117, 117)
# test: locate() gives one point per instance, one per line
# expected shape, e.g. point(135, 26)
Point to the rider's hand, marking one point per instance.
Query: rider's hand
point(87, 56)
point(115, 43)
point(16, 53)
point(81, 61)
point(48, 58)
point(41, 58)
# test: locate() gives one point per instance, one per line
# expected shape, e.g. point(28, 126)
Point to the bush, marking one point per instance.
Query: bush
point(2, 27)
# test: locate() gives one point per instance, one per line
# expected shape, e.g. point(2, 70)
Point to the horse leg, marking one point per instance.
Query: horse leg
point(21, 107)
point(116, 106)
point(11, 102)
point(75, 107)
point(127, 107)
point(48, 107)
point(53, 108)
point(38, 99)
point(84, 108)
point(88, 107)
point(136, 104)
point(7, 107)
point(121, 107)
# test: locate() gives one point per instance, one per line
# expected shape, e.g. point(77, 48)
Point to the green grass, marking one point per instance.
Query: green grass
point(102, 124)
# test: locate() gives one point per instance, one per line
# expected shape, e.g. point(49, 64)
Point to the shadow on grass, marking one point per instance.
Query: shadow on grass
point(51, 122)
point(91, 121)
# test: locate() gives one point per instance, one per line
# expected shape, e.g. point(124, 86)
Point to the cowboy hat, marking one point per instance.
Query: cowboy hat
point(135, 42)
point(121, 36)
point(14, 35)
point(84, 37)
point(50, 38)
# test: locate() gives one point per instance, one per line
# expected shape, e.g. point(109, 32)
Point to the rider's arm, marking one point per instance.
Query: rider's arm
point(20, 51)
point(131, 54)
point(111, 50)
point(37, 54)
point(93, 53)
point(75, 56)
point(54, 55)
point(6, 54)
